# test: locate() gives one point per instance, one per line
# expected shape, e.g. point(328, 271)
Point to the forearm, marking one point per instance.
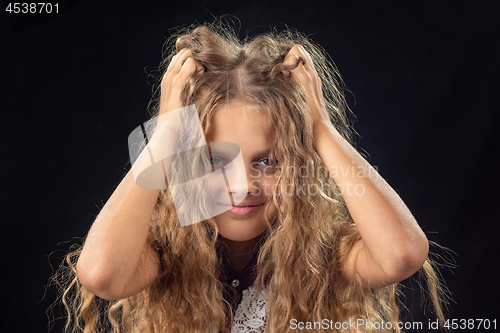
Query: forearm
point(113, 250)
point(114, 245)
point(390, 233)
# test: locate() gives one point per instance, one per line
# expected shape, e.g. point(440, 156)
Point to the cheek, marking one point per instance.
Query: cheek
point(268, 184)
point(215, 186)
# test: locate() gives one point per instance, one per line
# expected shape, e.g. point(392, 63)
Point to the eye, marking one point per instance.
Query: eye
point(267, 162)
point(217, 162)
point(264, 161)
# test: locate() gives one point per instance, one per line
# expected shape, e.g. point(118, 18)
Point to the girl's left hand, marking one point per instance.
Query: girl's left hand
point(305, 75)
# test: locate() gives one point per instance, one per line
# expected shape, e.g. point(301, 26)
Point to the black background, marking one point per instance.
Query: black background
point(423, 78)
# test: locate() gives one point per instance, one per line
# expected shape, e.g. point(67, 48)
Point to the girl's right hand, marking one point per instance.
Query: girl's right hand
point(180, 69)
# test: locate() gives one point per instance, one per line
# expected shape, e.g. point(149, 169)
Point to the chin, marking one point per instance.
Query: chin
point(237, 232)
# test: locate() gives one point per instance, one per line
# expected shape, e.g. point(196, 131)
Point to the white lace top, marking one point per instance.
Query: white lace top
point(250, 316)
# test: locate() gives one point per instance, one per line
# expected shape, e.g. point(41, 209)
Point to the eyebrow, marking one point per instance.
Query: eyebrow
point(263, 152)
point(258, 154)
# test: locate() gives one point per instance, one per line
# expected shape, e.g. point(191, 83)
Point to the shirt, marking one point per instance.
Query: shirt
point(238, 284)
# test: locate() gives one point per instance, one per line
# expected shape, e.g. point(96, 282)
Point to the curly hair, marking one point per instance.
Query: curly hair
point(299, 263)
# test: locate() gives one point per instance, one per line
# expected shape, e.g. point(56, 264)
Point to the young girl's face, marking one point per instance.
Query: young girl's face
point(241, 124)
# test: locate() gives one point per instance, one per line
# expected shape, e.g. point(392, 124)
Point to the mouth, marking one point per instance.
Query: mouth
point(241, 210)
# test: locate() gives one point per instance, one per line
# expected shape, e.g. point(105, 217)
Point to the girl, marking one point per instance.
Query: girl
point(318, 241)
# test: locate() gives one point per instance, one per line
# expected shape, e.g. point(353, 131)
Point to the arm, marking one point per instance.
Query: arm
point(114, 262)
point(392, 245)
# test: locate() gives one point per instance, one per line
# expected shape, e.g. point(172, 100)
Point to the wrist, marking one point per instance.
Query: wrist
point(322, 128)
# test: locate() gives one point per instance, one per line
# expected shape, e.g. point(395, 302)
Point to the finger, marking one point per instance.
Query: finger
point(300, 74)
point(290, 62)
point(173, 64)
point(309, 62)
point(300, 53)
point(295, 62)
point(200, 69)
point(296, 52)
point(190, 67)
point(182, 56)
point(175, 59)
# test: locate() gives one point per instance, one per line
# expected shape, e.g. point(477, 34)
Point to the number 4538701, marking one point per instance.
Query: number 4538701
point(32, 8)
point(471, 324)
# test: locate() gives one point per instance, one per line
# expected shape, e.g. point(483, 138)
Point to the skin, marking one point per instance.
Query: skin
point(114, 263)
point(243, 125)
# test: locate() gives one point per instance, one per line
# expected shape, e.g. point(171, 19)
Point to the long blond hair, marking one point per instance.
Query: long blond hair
point(299, 261)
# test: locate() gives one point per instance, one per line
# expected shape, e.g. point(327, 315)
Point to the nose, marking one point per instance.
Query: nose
point(243, 182)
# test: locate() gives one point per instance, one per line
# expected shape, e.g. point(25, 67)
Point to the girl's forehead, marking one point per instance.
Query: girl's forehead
point(239, 118)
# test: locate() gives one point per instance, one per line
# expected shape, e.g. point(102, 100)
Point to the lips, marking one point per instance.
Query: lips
point(242, 205)
point(242, 209)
